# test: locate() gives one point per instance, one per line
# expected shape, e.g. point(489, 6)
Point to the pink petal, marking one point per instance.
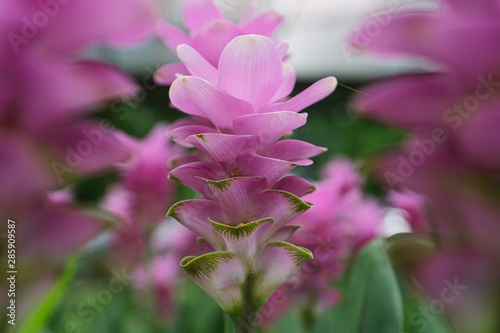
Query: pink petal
point(196, 64)
point(283, 47)
point(275, 264)
point(167, 74)
point(193, 174)
point(221, 275)
point(197, 13)
point(284, 233)
point(213, 38)
point(198, 97)
point(87, 147)
point(278, 205)
point(89, 22)
point(225, 148)
point(295, 185)
point(204, 246)
point(244, 239)
point(20, 165)
point(250, 68)
point(171, 35)
point(478, 139)
point(179, 134)
point(388, 99)
point(311, 95)
point(269, 126)
point(293, 150)
point(270, 168)
point(56, 230)
point(265, 24)
point(287, 83)
point(234, 193)
point(194, 215)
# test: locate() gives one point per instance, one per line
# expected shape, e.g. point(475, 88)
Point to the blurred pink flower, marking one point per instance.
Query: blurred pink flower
point(462, 99)
point(145, 174)
point(141, 198)
point(451, 157)
point(169, 243)
point(341, 222)
point(210, 32)
point(413, 205)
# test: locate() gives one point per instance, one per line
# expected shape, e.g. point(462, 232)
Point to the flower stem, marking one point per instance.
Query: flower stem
point(245, 321)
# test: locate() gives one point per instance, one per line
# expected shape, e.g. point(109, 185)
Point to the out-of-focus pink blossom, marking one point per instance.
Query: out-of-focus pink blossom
point(451, 157)
point(144, 193)
point(413, 206)
point(169, 243)
point(340, 223)
point(462, 100)
point(210, 32)
point(145, 174)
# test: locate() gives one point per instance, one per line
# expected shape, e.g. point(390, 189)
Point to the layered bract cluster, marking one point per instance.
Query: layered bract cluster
point(240, 118)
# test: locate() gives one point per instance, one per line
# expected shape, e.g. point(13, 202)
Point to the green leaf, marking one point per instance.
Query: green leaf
point(373, 302)
point(40, 313)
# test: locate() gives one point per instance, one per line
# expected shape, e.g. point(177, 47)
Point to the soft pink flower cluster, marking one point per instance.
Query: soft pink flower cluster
point(162, 274)
point(210, 32)
point(143, 193)
point(342, 221)
point(453, 116)
point(240, 120)
point(45, 90)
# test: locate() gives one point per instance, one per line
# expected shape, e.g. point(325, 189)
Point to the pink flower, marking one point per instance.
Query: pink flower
point(46, 87)
point(145, 174)
point(43, 81)
point(210, 32)
point(169, 243)
point(341, 222)
point(413, 205)
point(246, 200)
point(244, 101)
point(143, 195)
point(462, 99)
point(451, 157)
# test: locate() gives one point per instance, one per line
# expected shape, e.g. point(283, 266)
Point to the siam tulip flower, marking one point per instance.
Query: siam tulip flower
point(245, 100)
point(210, 32)
point(451, 158)
point(246, 201)
point(342, 221)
